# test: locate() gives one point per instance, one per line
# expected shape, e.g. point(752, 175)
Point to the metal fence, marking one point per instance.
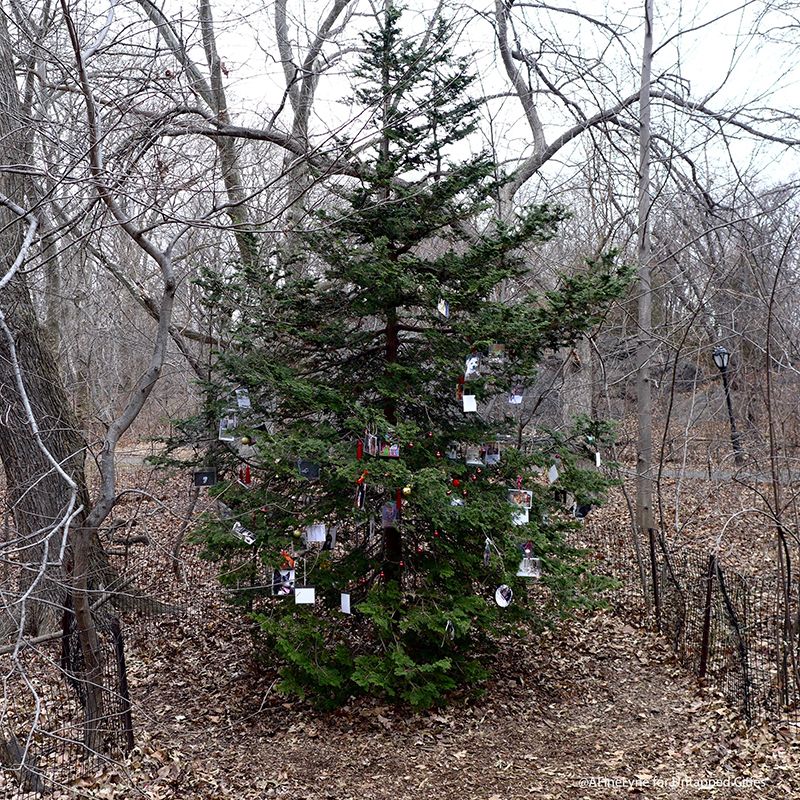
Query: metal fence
point(735, 632)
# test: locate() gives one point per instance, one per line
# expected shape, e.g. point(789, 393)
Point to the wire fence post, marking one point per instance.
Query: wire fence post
point(122, 684)
point(706, 641)
point(654, 571)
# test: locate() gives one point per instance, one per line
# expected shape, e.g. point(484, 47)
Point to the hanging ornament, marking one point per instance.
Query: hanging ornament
point(516, 395)
point(492, 455)
point(308, 469)
point(503, 595)
point(244, 476)
point(529, 567)
point(360, 449)
point(316, 533)
point(304, 595)
point(242, 397)
point(283, 582)
point(361, 495)
point(597, 461)
point(487, 552)
point(456, 482)
point(206, 476)
point(227, 424)
point(242, 533)
point(406, 491)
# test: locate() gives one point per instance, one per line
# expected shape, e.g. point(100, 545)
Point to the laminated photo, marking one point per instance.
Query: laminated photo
point(242, 398)
point(523, 498)
point(503, 596)
point(227, 425)
point(283, 582)
point(316, 533)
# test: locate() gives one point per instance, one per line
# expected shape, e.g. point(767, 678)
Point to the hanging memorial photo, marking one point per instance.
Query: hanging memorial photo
point(496, 355)
point(389, 515)
point(523, 498)
point(503, 596)
point(492, 455)
point(315, 533)
point(345, 603)
point(308, 469)
point(330, 539)
point(472, 366)
point(283, 582)
point(521, 516)
point(242, 533)
point(516, 395)
point(227, 424)
point(389, 450)
point(242, 398)
point(473, 456)
point(470, 402)
point(529, 566)
point(205, 477)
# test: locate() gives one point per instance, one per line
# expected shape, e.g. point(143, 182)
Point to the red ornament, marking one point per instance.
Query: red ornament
point(402, 563)
point(465, 493)
point(438, 454)
point(456, 482)
point(359, 449)
point(436, 533)
point(430, 434)
point(473, 477)
point(419, 548)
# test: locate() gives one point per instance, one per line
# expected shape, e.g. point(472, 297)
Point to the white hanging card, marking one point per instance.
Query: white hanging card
point(316, 532)
point(520, 516)
point(345, 602)
point(552, 474)
point(443, 307)
point(304, 595)
point(242, 398)
point(240, 532)
point(470, 403)
point(597, 459)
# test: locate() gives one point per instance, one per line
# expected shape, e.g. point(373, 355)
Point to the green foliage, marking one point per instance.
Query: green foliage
point(348, 342)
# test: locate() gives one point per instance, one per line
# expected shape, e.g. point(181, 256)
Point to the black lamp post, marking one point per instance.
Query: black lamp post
point(721, 358)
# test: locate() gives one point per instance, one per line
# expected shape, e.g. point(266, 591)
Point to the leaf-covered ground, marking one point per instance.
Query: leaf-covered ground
point(595, 709)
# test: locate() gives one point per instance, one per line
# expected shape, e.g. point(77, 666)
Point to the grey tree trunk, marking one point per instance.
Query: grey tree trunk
point(644, 449)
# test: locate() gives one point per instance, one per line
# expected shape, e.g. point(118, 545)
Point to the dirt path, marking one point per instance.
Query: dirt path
point(598, 710)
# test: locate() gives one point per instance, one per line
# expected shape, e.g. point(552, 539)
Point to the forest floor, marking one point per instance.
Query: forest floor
point(596, 709)
point(593, 709)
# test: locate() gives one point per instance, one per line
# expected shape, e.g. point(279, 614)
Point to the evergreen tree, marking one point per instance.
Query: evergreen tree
point(355, 366)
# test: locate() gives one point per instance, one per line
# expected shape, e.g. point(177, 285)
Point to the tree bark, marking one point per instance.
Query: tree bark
point(644, 457)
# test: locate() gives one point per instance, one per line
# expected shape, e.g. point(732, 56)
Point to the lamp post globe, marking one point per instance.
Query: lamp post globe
point(721, 357)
